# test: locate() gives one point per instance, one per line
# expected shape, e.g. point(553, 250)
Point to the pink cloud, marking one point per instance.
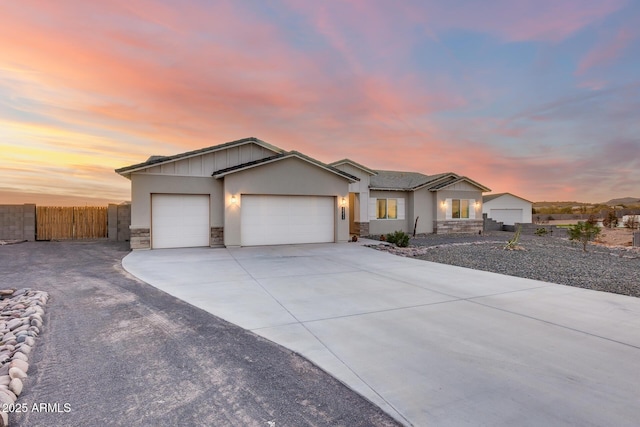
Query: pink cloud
point(606, 52)
point(131, 79)
point(524, 20)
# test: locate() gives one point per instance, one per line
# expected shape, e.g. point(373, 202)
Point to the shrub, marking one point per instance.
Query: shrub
point(512, 244)
point(583, 232)
point(611, 220)
point(541, 231)
point(399, 238)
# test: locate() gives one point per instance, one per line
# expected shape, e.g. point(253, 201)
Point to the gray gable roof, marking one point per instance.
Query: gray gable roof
point(490, 197)
point(404, 181)
point(284, 155)
point(156, 160)
point(411, 181)
point(357, 165)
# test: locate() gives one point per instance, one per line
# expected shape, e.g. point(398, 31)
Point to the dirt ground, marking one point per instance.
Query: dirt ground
point(119, 352)
point(615, 237)
point(608, 236)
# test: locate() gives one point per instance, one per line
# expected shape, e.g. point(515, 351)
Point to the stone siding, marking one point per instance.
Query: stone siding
point(458, 226)
point(18, 222)
point(217, 236)
point(362, 228)
point(140, 238)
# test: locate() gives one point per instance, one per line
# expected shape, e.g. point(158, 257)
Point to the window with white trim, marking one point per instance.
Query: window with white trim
point(389, 208)
point(460, 208)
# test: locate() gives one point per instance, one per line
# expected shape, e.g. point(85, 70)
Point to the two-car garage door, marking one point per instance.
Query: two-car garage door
point(182, 220)
point(277, 220)
point(179, 220)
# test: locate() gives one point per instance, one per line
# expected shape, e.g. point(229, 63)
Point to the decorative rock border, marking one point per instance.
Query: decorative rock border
point(413, 251)
point(21, 314)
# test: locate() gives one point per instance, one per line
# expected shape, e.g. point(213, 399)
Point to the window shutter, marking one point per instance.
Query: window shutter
point(449, 207)
point(400, 208)
point(472, 209)
point(372, 208)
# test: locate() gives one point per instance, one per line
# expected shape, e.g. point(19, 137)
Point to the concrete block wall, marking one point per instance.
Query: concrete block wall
point(530, 229)
point(18, 222)
point(119, 219)
point(491, 224)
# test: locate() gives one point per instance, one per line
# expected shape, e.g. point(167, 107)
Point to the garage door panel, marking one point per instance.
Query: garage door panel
point(275, 220)
point(179, 220)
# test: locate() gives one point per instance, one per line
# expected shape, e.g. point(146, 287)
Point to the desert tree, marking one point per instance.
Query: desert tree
point(611, 219)
point(583, 232)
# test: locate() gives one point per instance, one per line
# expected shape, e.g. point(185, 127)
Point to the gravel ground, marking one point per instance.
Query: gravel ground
point(114, 351)
point(549, 259)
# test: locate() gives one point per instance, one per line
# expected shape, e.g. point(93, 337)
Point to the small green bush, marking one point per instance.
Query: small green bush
point(399, 238)
point(541, 232)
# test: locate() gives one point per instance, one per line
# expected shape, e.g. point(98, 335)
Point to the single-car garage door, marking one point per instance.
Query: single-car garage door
point(506, 216)
point(179, 220)
point(279, 220)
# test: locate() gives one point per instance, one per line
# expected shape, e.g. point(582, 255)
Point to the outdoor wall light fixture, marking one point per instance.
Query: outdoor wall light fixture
point(343, 202)
point(477, 204)
point(443, 204)
point(233, 200)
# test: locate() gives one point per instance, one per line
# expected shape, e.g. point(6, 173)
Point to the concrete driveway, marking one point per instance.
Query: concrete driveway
point(431, 344)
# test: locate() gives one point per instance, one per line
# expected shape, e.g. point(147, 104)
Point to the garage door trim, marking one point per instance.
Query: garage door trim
point(286, 219)
point(180, 220)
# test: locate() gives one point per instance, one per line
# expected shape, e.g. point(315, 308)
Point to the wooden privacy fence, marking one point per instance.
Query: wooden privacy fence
point(61, 223)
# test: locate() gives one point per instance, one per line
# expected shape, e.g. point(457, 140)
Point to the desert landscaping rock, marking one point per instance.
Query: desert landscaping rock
point(20, 320)
point(16, 386)
point(550, 259)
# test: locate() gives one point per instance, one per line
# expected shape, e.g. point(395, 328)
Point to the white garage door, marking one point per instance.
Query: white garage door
point(279, 220)
point(506, 216)
point(179, 220)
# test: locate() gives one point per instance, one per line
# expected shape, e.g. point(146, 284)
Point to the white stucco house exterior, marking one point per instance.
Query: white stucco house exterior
point(507, 208)
point(248, 193)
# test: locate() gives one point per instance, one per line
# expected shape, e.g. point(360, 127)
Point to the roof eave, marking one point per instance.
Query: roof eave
point(127, 170)
point(297, 155)
point(354, 164)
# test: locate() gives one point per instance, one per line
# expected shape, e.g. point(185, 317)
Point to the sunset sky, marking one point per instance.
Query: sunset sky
point(538, 98)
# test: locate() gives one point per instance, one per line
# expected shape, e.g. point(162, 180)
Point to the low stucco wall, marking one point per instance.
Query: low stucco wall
point(18, 222)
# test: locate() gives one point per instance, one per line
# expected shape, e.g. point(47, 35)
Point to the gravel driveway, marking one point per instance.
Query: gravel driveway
point(120, 352)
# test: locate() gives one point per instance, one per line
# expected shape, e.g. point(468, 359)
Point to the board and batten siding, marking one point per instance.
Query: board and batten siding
point(206, 164)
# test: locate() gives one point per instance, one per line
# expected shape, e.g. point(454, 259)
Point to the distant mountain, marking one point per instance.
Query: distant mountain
point(623, 201)
point(627, 201)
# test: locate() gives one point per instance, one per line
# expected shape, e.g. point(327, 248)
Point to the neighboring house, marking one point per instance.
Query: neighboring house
point(248, 193)
point(507, 208)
